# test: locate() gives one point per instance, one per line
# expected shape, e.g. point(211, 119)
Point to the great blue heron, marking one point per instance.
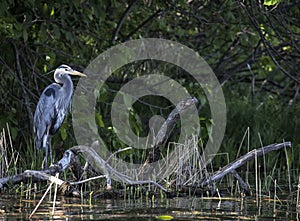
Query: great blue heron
point(52, 108)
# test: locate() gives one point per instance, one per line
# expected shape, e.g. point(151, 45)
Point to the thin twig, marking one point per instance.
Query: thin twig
point(41, 200)
point(118, 151)
point(87, 180)
point(55, 194)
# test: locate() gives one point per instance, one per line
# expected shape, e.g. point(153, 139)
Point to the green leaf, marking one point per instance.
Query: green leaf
point(45, 8)
point(56, 31)
point(165, 217)
point(271, 2)
point(209, 126)
point(63, 133)
point(25, 35)
point(52, 12)
point(45, 68)
point(13, 132)
point(99, 120)
point(69, 36)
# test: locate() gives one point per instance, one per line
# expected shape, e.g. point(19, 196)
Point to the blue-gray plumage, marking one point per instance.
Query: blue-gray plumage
point(53, 107)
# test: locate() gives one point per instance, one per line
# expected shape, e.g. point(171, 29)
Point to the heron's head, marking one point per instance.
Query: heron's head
point(64, 70)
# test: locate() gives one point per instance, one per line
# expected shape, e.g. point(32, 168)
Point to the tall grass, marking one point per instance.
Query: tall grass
point(9, 158)
point(15, 160)
point(266, 119)
point(252, 122)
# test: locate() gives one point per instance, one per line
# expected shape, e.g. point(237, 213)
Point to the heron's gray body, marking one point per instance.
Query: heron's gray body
point(52, 107)
point(51, 111)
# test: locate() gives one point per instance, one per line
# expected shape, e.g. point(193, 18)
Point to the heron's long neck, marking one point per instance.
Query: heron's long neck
point(67, 87)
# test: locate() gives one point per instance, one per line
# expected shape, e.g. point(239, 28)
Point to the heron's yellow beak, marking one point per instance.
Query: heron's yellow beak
point(77, 73)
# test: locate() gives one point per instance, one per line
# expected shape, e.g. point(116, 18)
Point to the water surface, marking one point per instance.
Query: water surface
point(20, 208)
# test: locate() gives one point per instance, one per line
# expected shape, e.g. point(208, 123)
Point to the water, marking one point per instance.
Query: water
point(18, 208)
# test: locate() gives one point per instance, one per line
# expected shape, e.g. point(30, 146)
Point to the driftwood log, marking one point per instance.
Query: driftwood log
point(29, 176)
point(167, 127)
point(70, 160)
point(231, 167)
point(35, 176)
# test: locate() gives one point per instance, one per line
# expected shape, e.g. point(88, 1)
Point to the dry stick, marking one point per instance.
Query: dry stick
point(87, 180)
point(40, 175)
point(298, 193)
point(55, 194)
point(41, 200)
point(242, 160)
point(275, 196)
point(288, 170)
point(118, 151)
point(256, 179)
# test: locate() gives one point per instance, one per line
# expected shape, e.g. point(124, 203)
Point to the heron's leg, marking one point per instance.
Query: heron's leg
point(46, 157)
point(48, 145)
point(50, 149)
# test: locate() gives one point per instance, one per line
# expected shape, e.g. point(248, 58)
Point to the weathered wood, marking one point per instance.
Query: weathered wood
point(100, 165)
point(242, 160)
point(243, 184)
point(65, 187)
point(27, 176)
point(167, 127)
point(70, 160)
point(48, 174)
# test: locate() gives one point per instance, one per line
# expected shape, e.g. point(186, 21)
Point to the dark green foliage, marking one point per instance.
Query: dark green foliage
point(252, 48)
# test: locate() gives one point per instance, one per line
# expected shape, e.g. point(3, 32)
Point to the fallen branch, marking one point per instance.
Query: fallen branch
point(100, 165)
point(242, 160)
point(38, 176)
point(69, 158)
point(167, 127)
point(27, 176)
point(243, 184)
point(129, 175)
point(71, 161)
